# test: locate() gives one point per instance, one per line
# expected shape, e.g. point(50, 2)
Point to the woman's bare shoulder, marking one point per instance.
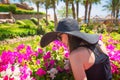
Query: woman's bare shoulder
point(81, 53)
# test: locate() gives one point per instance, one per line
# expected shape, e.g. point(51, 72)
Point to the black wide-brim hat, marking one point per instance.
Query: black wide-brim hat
point(68, 26)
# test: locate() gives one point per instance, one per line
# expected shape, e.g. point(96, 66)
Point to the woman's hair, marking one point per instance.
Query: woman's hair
point(74, 42)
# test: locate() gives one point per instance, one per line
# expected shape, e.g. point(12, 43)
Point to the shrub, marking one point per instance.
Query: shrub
point(12, 8)
point(34, 20)
point(20, 22)
point(4, 8)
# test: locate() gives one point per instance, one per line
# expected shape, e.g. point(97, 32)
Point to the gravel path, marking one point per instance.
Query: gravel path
point(15, 40)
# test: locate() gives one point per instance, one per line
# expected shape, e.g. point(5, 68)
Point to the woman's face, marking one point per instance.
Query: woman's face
point(64, 39)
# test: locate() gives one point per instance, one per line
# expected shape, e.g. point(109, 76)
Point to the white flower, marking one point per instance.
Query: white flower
point(52, 76)
point(52, 72)
point(66, 67)
point(16, 72)
point(66, 62)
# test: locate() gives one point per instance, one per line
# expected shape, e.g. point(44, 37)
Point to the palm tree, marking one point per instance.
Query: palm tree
point(67, 6)
point(37, 2)
point(113, 6)
point(62, 12)
point(86, 2)
point(53, 2)
point(117, 11)
point(47, 4)
point(67, 2)
point(90, 7)
point(77, 8)
point(73, 8)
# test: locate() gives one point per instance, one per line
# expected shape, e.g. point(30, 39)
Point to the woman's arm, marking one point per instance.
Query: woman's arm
point(77, 66)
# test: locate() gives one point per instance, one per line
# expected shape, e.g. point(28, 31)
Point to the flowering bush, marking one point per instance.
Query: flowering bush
point(24, 63)
point(113, 47)
point(27, 62)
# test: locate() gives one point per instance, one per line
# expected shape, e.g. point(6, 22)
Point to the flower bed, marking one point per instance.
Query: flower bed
point(28, 62)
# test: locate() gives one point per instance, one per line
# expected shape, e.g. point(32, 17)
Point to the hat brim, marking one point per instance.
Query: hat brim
point(51, 36)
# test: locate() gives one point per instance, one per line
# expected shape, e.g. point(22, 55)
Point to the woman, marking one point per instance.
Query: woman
point(87, 56)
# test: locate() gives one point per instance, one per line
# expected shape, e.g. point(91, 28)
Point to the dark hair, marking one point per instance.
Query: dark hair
point(74, 42)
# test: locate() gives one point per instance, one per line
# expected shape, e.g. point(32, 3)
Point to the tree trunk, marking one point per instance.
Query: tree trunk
point(113, 10)
point(117, 14)
point(86, 10)
point(89, 13)
point(73, 10)
point(77, 9)
point(46, 16)
point(66, 8)
point(55, 17)
point(38, 13)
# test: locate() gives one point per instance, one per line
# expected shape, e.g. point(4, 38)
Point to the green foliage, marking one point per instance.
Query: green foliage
point(7, 8)
point(14, 32)
point(119, 30)
point(4, 8)
point(34, 20)
point(12, 8)
point(20, 22)
point(62, 12)
point(21, 11)
point(20, 28)
point(24, 28)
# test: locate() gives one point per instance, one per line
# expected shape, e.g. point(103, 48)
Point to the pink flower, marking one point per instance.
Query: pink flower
point(40, 51)
point(110, 47)
point(38, 62)
point(54, 48)
point(66, 54)
point(59, 69)
point(21, 46)
point(46, 64)
point(100, 37)
point(47, 55)
point(6, 78)
point(12, 68)
point(52, 62)
point(40, 72)
point(11, 78)
point(8, 57)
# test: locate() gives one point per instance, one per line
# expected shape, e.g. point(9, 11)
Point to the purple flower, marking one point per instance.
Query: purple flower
point(40, 72)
